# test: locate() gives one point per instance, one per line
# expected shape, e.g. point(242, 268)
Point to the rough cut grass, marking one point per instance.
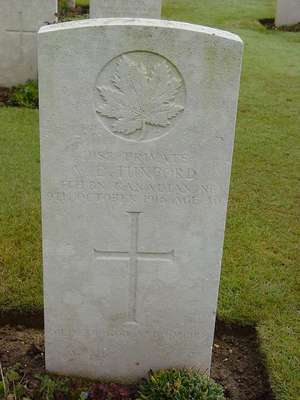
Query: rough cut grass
point(260, 279)
point(20, 227)
point(83, 3)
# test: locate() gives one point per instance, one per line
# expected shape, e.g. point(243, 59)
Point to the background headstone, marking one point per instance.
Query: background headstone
point(137, 130)
point(288, 12)
point(125, 8)
point(71, 3)
point(19, 22)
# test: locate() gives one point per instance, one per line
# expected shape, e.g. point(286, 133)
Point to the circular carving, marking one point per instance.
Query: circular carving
point(139, 96)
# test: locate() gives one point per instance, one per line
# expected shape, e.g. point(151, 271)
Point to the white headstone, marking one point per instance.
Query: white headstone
point(288, 12)
point(137, 131)
point(71, 3)
point(19, 22)
point(125, 8)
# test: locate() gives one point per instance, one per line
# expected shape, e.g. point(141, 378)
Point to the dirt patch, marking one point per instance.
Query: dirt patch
point(269, 23)
point(4, 95)
point(237, 363)
point(25, 319)
point(22, 345)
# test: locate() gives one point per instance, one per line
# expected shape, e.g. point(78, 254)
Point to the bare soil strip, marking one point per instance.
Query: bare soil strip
point(237, 362)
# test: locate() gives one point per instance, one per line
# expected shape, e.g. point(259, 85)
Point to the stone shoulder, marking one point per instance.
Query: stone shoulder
point(156, 23)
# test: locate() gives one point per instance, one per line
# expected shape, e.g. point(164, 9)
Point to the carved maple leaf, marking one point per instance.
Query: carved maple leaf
point(137, 97)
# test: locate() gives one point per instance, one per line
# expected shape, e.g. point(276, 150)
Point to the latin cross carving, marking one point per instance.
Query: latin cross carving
point(133, 256)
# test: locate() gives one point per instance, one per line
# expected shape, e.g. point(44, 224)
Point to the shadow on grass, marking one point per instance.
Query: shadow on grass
point(269, 23)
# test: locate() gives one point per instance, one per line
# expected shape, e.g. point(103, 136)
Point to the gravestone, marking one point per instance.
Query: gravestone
point(288, 12)
point(19, 22)
point(137, 130)
point(125, 8)
point(71, 3)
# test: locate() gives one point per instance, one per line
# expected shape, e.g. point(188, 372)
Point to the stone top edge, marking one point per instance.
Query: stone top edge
point(90, 23)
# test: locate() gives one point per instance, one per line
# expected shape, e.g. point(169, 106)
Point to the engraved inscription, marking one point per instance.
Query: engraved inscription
point(21, 31)
point(127, 331)
point(137, 179)
point(139, 95)
point(133, 256)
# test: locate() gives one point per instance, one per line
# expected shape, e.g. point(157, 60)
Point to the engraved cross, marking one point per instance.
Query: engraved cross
point(133, 256)
point(21, 31)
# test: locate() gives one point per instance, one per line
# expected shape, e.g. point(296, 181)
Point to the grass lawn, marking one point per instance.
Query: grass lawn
point(82, 2)
point(261, 260)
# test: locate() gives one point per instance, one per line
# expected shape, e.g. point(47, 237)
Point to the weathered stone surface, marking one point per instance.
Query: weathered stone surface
point(125, 8)
point(137, 131)
point(19, 22)
point(288, 12)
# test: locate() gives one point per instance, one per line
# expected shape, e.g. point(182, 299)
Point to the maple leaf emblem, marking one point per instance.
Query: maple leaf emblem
point(138, 96)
